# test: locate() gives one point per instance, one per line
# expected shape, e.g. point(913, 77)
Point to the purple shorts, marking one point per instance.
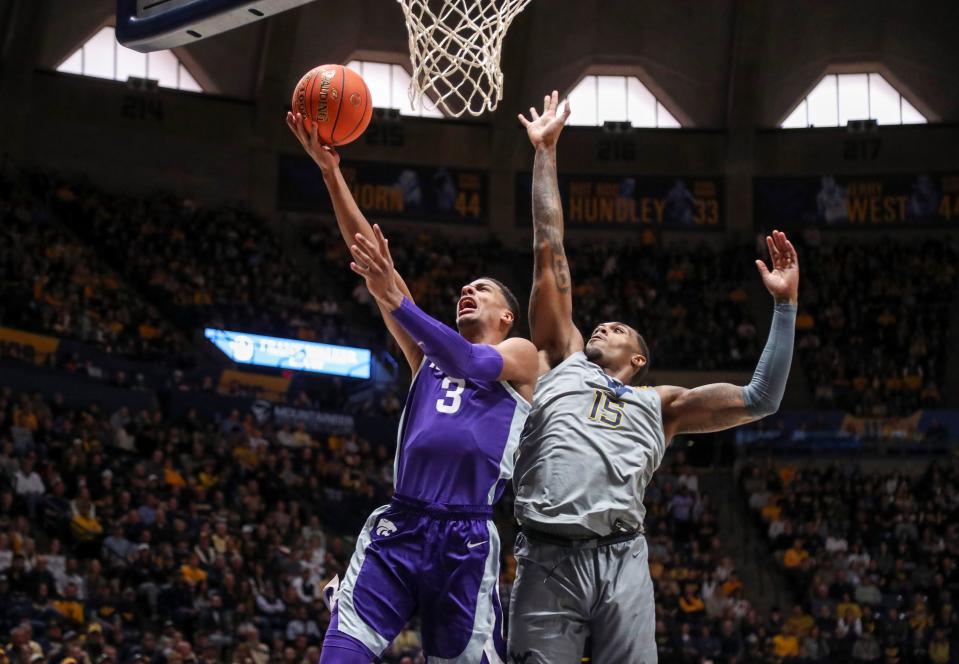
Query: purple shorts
point(411, 557)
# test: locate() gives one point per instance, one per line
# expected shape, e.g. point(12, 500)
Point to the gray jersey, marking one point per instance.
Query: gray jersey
point(588, 451)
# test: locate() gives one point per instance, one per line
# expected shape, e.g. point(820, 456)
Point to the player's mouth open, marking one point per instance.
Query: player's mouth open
point(467, 304)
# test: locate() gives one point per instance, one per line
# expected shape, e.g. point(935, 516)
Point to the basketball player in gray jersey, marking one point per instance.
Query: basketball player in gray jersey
point(592, 442)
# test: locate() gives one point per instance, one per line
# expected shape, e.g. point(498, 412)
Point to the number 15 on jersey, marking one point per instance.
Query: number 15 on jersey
point(605, 410)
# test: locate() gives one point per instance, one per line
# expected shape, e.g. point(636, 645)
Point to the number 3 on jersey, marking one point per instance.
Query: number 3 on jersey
point(605, 410)
point(451, 401)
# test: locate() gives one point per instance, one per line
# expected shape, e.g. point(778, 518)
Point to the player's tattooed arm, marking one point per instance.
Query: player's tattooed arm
point(551, 301)
point(350, 220)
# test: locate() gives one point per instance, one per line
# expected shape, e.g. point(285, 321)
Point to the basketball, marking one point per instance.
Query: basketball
point(337, 99)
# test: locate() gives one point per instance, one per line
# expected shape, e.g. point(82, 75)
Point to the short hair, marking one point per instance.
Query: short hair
point(639, 378)
point(511, 302)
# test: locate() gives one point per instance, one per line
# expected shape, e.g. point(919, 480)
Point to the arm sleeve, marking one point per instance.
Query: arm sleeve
point(765, 391)
point(447, 348)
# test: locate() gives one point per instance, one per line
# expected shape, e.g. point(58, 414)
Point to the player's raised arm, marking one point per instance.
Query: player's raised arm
point(349, 218)
point(722, 405)
point(551, 300)
point(513, 360)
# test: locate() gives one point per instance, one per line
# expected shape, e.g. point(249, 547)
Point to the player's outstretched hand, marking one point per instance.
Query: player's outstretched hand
point(325, 156)
point(373, 262)
point(783, 282)
point(544, 130)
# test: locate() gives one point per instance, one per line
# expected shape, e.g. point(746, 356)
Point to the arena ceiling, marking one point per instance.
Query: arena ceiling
point(718, 63)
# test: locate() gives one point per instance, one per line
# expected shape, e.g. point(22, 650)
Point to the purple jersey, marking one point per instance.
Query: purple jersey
point(457, 438)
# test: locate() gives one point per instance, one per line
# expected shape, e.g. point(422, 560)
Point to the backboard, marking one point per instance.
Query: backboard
point(152, 25)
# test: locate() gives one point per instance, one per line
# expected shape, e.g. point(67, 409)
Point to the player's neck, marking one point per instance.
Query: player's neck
point(480, 334)
point(481, 337)
point(622, 375)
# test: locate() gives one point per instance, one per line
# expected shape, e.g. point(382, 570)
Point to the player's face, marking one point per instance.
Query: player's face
point(611, 345)
point(480, 302)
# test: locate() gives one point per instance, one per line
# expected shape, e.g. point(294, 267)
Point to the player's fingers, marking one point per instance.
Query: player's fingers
point(546, 100)
point(785, 246)
point(292, 121)
point(533, 113)
point(302, 131)
point(554, 100)
point(522, 120)
point(763, 270)
point(314, 134)
point(372, 249)
point(771, 248)
point(566, 111)
point(359, 270)
point(777, 240)
point(785, 255)
point(365, 245)
point(381, 241)
point(362, 258)
point(793, 254)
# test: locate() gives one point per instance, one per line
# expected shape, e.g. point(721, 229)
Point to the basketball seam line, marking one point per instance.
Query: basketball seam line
point(339, 107)
point(310, 111)
point(366, 102)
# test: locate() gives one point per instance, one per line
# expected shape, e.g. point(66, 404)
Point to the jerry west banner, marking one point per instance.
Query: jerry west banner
point(613, 201)
point(387, 190)
point(858, 201)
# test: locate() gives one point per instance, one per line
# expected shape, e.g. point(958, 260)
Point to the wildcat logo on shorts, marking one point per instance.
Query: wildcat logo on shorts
point(385, 528)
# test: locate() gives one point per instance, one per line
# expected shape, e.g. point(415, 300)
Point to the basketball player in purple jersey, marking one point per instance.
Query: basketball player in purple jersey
point(433, 549)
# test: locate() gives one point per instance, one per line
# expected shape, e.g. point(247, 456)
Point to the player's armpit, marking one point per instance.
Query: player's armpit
point(551, 318)
point(703, 409)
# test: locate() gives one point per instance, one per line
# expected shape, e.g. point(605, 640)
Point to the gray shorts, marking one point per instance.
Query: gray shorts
point(563, 595)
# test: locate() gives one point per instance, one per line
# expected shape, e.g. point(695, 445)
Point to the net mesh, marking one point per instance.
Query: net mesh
point(455, 48)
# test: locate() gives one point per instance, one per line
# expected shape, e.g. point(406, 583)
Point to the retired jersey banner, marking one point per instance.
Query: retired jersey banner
point(387, 190)
point(857, 201)
point(629, 201)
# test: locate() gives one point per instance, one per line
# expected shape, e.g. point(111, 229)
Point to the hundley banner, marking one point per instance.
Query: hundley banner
point(613, 201)
point(857, 201)
point(387, 190)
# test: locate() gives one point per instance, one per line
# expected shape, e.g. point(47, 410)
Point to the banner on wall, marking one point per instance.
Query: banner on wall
point(388, 190)
point(615, 201)
point(857, 201)
point(313, 420)
point(219, 406)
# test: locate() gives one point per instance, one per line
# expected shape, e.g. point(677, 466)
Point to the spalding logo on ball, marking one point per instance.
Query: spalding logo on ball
point(319, 97)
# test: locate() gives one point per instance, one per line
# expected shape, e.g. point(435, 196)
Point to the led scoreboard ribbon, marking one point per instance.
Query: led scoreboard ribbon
point(291, 354)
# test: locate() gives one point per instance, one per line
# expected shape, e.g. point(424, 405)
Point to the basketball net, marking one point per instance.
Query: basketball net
point(455, 52)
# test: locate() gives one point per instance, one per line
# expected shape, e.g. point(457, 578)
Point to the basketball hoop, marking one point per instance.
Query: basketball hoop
point(455, 51)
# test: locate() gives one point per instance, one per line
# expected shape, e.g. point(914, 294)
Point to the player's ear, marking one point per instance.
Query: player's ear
point(507, 317)
point(637, 361)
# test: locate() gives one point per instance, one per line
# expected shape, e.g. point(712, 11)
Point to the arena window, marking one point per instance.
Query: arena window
point(102, 56)
point(839, 98)
point(388, 85)
point(599, 99)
